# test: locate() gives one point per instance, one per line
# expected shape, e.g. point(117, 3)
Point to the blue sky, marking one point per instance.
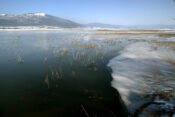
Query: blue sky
point(119, 12)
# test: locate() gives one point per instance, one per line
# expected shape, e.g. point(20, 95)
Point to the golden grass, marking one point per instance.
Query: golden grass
point(133, 30)
point(86, 46)
point(64, 51)
point(137, 34)
point(82, 55)
point(137, 40)
point(169, 44)
point(57, 75)
point(47, 81)
point(166, 34)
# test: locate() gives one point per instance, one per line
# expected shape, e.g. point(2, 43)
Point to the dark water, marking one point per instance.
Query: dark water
point(56, 73)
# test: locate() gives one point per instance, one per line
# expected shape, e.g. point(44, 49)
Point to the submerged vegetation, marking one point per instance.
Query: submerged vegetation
point(70, 73)
point(20, 60)
point(86, 46)
point(45, 60)
point(46, 80)
point(168, 44)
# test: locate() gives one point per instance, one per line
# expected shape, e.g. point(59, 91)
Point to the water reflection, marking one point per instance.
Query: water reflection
point(65, 73)
point(56, 74)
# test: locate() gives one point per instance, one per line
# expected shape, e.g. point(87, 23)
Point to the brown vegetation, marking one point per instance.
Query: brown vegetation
point(86, 46)
point(137, 34)
point(169, 44)
point(133, 30)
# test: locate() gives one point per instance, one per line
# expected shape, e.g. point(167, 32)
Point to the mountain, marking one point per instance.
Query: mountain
point(153, 26)
point(35, 19)
point(101, 25)
point(42, 19)
point(160, 26)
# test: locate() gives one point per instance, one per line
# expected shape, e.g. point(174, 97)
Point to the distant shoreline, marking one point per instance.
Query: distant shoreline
point(33, 28)
point(16, 28)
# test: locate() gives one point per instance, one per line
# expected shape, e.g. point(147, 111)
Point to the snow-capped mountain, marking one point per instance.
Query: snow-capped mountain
point(36, 14)
point(35, 19)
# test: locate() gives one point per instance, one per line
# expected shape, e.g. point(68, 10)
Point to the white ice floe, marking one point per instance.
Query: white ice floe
point(134, 72)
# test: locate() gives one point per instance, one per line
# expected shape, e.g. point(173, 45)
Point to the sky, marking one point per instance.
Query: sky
point(118, 12)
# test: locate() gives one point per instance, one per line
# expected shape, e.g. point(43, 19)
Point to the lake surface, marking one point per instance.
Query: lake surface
point(69, 72)
point(56, 73)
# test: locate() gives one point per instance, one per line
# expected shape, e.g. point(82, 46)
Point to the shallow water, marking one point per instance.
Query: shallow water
point(51, 73)
point(68, 72)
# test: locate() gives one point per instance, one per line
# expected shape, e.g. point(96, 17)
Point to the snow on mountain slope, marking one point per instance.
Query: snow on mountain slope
point(35, 19)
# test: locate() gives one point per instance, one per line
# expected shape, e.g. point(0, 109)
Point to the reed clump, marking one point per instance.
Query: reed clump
point(64, 51)
point(110, 41)
point(86, 46)
point(169, 44)
point(56, 52)
point(46, 80)
point(45, 60)
point(73, 73)
point(76, 55)
point(134, 30)
point(20, 60)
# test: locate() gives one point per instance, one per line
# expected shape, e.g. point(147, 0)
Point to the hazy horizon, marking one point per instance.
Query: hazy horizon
point(116, 12)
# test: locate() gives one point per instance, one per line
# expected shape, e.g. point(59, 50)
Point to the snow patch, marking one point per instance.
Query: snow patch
point(36, 14)
point(2, 14)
